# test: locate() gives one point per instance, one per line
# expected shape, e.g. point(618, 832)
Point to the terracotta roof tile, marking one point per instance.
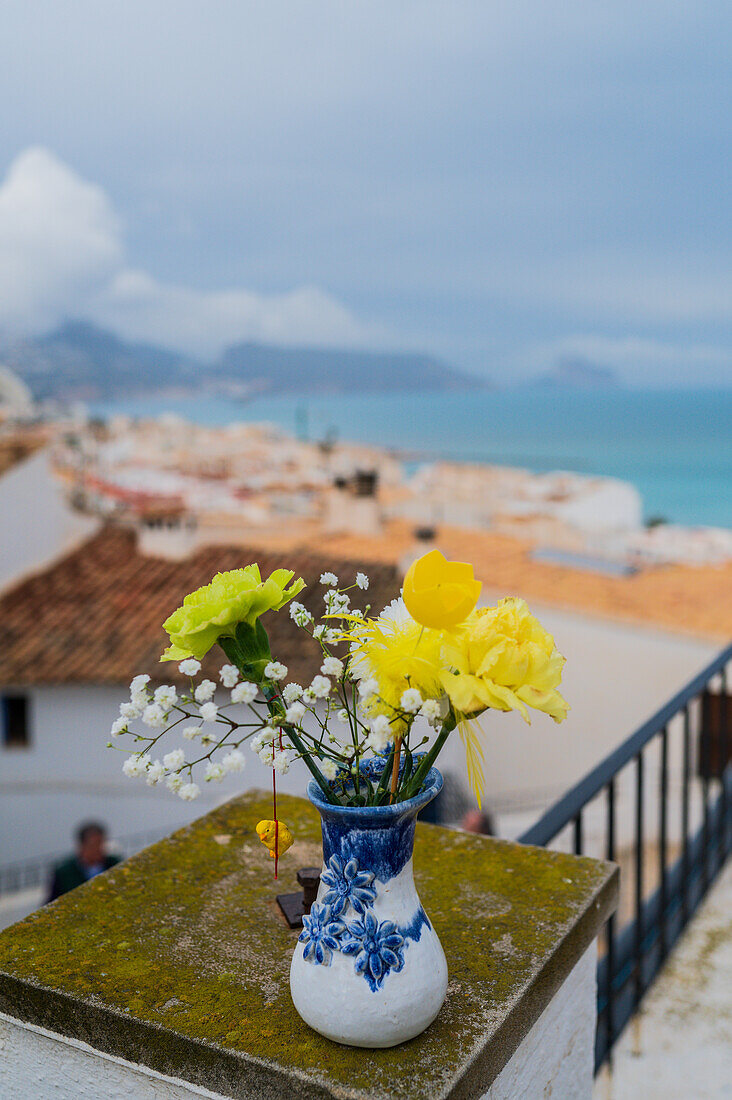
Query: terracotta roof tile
point(95, 616)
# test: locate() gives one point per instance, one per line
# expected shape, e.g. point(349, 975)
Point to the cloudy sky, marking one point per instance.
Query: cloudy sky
point(499, 183)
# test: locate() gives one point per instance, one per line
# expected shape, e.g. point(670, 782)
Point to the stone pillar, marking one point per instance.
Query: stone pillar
point(167, 977)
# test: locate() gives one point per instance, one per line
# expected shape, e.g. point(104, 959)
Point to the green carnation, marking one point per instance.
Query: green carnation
point(238, 596)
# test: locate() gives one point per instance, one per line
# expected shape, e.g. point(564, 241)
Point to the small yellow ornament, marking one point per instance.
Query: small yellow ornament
point(439, 593)
point(268, 830)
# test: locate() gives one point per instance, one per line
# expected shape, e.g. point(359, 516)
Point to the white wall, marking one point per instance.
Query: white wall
point(37, 524)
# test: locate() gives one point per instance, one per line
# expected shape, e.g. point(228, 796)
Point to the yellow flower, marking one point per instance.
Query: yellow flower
point(397, 653)
point(440, 593)
point(231, 598)
point(267, 830)
point(503, 658)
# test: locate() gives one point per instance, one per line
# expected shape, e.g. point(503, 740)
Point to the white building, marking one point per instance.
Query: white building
point(36, 520)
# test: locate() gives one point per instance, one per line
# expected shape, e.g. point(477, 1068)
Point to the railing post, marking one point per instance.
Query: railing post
point(639, 877)
point(685, 817)
point(723, 748)
point(610, 926)
point(662, 838)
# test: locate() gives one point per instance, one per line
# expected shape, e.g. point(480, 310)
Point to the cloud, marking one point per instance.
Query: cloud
point(62, 255)
point(204, 322)
point(59, 242)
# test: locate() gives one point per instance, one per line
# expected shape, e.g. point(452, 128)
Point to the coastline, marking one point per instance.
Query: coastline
point(675, 447)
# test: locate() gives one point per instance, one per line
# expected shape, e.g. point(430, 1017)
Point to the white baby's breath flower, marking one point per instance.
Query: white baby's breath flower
point(275, 670)
point(320, 687)
point(188, 791)
point(300, 614)
point(207, 739)
point(329, 768)
point(229, 675)
point(138, 684)
point(154, 716)
point(266, 753)
point(189, 667)
point(258, 740)
point(368, 688)
point(432, 711)
point(204, 691)
point(362, 581)
point(234, 761)
point(155, 773)
point(348, 751)
point(294, 713)
point(336, 603)
point(166, 696)
point(291, 692)
point(174, 760)
point(130, 710)
point(281, 762)
point(138, 701)
point(342, 716)
point(215, 772)
point(331, 666)
point(380, 734)
point(174, 782)
point(244, 692)
point(319, 631)
point(411, 700)
point(118, 726)
point(135, 765)
point(332, 636)
point(328, 578)
point(190, 733)
point(208, 712)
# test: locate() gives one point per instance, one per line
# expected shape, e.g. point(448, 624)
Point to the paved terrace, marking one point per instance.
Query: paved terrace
point(678, 1046)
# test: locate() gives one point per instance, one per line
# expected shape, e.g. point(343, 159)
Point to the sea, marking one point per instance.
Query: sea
point(675, 446)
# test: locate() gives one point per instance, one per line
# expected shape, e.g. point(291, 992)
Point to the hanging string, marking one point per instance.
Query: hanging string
point(274, 812)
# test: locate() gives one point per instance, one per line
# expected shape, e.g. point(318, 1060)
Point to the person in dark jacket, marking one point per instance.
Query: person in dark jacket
point(90, 859)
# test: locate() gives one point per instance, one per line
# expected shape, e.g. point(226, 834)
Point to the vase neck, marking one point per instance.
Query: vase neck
point(383, 849)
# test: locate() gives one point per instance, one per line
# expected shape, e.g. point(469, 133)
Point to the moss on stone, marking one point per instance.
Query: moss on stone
point(187, 936)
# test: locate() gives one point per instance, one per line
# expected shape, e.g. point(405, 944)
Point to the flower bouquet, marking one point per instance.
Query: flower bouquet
point(369, 728)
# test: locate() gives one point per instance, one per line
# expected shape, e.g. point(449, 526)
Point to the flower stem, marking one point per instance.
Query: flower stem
point(415, 784)
point(395, 768)
point(275, 709)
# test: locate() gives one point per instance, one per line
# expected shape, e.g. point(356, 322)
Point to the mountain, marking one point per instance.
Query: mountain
point(329, 370)
point(576, 372)
point(82, 362)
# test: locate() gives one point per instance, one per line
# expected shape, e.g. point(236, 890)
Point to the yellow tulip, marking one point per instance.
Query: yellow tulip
point(267, 831)
point(439, 593)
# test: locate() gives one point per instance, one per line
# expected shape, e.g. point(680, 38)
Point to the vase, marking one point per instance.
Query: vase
point(368, 969)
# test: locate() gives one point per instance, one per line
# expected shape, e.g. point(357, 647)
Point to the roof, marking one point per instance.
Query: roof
point(95, 616)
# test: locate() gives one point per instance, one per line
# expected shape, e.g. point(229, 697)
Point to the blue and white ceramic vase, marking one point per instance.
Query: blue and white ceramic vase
point(368, 968)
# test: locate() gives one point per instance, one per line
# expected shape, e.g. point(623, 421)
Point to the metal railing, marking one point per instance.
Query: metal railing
point(28, 874)
point(660, 805)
